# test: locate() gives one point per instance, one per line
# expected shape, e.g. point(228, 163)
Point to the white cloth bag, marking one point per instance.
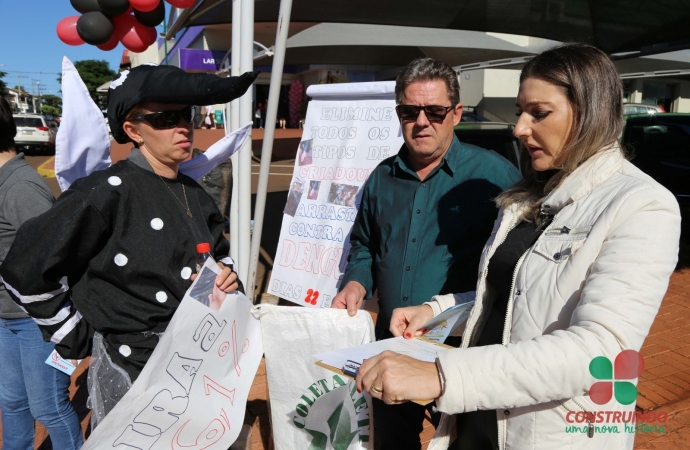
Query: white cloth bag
point(311, 407)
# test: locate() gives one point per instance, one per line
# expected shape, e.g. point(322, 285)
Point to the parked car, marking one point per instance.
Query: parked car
point(659, 144)
point(35, 133)
point(494, 136)
point(640, 108)
point(471, 116)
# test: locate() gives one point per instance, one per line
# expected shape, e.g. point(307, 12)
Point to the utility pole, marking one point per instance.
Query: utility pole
point(33, 95)
point(40, 104)
point(19, 92)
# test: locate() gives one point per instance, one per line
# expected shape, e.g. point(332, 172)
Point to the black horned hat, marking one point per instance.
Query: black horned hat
point(168, 84)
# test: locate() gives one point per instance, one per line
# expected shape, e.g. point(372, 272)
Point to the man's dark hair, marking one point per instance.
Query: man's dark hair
point(428, 69)
point(8, 130)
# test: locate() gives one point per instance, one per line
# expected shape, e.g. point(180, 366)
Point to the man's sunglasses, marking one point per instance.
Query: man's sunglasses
point(434, 113)
point(168, 119)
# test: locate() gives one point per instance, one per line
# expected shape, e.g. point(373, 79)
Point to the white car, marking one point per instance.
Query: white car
point(34, 132)
point(640, 108)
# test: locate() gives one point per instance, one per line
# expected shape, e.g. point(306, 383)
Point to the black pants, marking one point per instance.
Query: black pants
point(398, 426)
point(476, 430)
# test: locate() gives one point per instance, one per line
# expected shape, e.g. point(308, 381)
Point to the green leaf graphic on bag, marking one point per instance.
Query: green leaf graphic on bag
point(329, 410)
point(319, 442)
point(340, 426)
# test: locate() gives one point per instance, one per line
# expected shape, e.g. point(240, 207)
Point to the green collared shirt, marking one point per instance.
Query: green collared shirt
point(414, 239)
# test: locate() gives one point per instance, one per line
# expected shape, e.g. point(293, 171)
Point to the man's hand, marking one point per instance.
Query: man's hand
point(226, 280)
point(408, 321)
point(396, 378)
point(351, 297)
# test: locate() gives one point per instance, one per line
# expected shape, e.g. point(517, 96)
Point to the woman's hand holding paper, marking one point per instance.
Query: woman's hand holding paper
point(396, 378)
point(408, 321)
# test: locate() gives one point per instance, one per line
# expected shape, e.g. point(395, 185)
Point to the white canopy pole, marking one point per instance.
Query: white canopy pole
point(235, 124)
point(245, 157)
point(267, 146)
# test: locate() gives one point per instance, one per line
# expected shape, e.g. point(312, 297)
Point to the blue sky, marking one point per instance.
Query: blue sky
point(30, 43)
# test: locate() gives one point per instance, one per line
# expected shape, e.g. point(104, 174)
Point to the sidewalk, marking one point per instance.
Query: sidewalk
point(663, 386)
point(665, 383)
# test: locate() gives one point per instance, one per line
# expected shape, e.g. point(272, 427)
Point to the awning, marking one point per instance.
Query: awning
point(612, 25)
point(383, 45)
point(103, 88)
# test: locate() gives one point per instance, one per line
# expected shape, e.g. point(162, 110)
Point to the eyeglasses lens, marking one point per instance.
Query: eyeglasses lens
point(170, 119)
point(434, 113)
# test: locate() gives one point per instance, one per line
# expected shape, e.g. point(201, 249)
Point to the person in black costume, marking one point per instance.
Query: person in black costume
point(116, 253)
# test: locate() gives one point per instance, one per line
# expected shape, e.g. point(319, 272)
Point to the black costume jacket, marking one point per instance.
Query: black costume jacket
point(127, 249)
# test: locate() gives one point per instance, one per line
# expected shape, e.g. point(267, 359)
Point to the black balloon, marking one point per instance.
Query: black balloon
point(95, 28)
point(151, 18)
point(84, 6)
point(114, 7)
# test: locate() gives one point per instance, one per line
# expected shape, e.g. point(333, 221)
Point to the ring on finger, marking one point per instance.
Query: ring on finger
point(376, 390)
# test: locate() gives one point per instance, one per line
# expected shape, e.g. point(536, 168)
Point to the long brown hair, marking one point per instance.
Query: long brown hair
point(590, 82)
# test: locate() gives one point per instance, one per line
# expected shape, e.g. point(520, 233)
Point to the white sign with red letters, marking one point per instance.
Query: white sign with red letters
point(349, 130)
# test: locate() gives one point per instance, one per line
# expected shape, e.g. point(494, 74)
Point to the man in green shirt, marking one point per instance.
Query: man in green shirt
point(424, 218)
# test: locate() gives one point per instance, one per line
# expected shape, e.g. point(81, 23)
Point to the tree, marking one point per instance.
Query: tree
point(94, 73)
point(52, 104)
point(3, 86)
point(51, 110)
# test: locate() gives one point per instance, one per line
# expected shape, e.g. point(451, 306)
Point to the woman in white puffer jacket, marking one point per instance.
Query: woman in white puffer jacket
point(576, 268)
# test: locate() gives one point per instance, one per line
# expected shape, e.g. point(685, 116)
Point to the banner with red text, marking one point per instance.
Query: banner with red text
point(193, 391)
point(349, 130)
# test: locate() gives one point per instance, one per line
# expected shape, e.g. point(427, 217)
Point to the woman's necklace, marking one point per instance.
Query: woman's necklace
point(185, 205)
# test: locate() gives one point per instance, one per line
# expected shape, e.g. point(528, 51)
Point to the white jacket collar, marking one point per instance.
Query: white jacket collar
point(585, 179)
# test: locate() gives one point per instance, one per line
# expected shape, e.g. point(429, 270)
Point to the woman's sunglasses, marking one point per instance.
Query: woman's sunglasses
point(434, 113)
point(168, 119)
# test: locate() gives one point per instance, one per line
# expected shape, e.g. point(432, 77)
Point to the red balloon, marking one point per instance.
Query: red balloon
point(181, 3)
point(131, 33)
point(111, 44)
point(67, 31)
point(123, 24)
point(134, 46)
point(144, 5)
point(153, 35)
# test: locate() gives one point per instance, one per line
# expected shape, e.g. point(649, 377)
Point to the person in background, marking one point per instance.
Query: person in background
point(576, 268)
point(257, 116)
point(30, 389)
point(423, 217)
point(262, 114)
point(209, 118)
point(218, 184)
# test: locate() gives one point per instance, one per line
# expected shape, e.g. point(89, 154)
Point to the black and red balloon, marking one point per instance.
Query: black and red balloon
point(95, 28)
point(151, 18)
point(114, 7)
point(104, 23)
point(67, 31)
point(84, 6)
